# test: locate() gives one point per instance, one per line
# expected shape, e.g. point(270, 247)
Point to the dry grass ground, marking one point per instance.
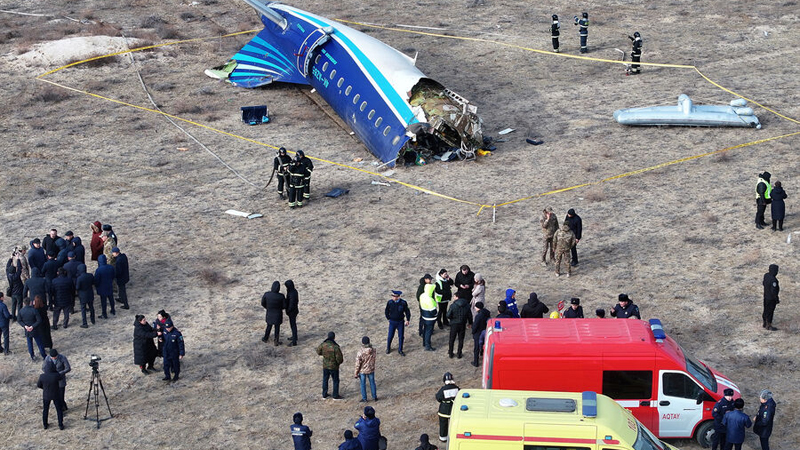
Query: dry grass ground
point(679, 240)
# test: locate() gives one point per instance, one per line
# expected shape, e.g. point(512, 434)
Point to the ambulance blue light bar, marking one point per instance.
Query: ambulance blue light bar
point(589, 404)
point(658, 330)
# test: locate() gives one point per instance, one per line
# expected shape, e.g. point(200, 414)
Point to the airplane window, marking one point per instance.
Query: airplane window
point(340, 83)
point(395, 140)
point(363, 106)
point(347, 91)
point(355, 99)
point(325, 66)
point(316, 61)
point(371, 114)
point(386, 131)
point(333, 74)
point(378, 122)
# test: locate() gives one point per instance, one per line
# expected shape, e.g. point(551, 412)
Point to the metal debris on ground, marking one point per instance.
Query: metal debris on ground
point(506, 131)
point(234, 212)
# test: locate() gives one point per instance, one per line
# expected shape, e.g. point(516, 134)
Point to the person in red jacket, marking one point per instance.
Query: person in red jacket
point(97, 244)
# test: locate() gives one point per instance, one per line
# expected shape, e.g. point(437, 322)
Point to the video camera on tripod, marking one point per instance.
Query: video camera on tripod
point(95, 388)
point(94, 361)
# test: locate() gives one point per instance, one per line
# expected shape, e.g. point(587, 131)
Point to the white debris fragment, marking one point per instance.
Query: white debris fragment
point(506, 131)
point(234, 212)
point(388, 173)
point(380, 183)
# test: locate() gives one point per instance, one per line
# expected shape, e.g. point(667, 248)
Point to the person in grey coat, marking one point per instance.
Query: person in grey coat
point(63, 368)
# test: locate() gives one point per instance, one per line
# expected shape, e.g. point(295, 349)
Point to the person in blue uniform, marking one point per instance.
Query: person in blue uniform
point(301, 434)
point(173, 351)
point(722, 407)
point(398, 315)
point(575, 310)
point(763, 420)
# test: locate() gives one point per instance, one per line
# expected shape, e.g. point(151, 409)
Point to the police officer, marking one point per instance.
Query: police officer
point(445, 397)
point(308, 167)
point(724, 405)
point(281, 165)
point(771, 291)
point(555, 31)
point(173, 351)
point(296, 178)
point(583, 23)
point(762, 422)
point(575, 310)
point(396, 311)
point(763, 198)
point(301, 434)
point(625, 309)
point(636, 53)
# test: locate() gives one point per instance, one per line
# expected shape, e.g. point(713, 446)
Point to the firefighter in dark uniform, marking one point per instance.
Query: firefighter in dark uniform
point(583, 23)
point(445, 396)
point(724, 405)
point(281, 166)
point(296, 176)
point(555, 31)
point(636, 53)
point(308, 167)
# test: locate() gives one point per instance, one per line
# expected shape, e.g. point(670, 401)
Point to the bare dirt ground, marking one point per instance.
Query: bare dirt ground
point(679, 240)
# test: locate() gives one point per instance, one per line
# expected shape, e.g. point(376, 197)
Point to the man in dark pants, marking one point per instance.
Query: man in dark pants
point(173, 351)
point(736, 422)
point(771, 291)
point(460, 316)
point(29, 319)
point(583, 23)
point(396, 311)
point(280, 166)
point(478, 327)
point(274, 302)
point(721, 408)
point(296, 177)
point(763, 198)
point(50, 272)
point(636, 53)
point(555, 31)
point(573, 220)
point(64, 294)
point(84, 285)
point(442, 294)
point(308, 167)
point(331, 360)
point(62, 366)
point(762, 422)
point(292, 310)
point(122, 276)
point(445, 396)
point(34, 286)
point(5, 323)
point(104, 281)
point(48, 383)
point(15, 285)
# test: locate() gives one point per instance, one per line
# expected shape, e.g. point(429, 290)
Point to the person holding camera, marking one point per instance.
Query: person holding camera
point(173, 351)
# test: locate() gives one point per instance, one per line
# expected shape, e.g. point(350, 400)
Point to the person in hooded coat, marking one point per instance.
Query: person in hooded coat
point(350, 443)
point(425, 443)
point(84, 285)
point(274, 302)
point(36, 255)
point(144, 350)
point(292, 310)
point(64, 293)
point(534, 309)
point(44, 327)
point(51, 392)
point(63, 252)
point(778, 210)
point(104, 283)
point(771, 291)
point(35, 285)
point(96, 244)
point(511, 303)
point(369, 429)
point(79, 250)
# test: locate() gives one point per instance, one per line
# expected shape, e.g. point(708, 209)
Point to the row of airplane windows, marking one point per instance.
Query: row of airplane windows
point(356, 98)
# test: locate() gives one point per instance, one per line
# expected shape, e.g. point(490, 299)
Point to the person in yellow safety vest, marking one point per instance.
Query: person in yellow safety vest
point(763, 191)
point(428, 311)
point(445, 397)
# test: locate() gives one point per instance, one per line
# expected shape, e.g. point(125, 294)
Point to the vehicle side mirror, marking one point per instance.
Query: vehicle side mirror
point(703, 397)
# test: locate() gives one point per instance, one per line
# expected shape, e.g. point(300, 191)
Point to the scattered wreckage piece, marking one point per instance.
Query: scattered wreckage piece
point(246, 215)
point(685, 113)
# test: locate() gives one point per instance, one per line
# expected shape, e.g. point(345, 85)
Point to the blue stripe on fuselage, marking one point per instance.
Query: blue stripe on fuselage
point(260, 62)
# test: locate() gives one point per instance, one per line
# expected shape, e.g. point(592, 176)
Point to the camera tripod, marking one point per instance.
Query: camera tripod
point(95, 386)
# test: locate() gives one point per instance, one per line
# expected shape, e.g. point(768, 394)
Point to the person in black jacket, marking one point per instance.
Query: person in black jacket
point(30, 320)
point(64, 293)
point(575, 310)
point(15, 286)
point(573, 220)
point(763, 198)
point(425, 444)
point(460, 316)
point(503, 312)
point(722, 407)
point(292, 302)
point(50, 272)
point(636, 53)
point(79, 250)
point(62, 366)
point(625, 308)
point(771, 291)
point(442, 294)
point(274, 302)
point(35, 285)
point(48, 383)
point(762, 422)
point(296, 174)
point(398, 315)
point(280, 165)
point(308, 167)
point(465, 281)
point(84, 285)
point(555, 32)
point(778, 209)
point(36, 255)
point(445, 396)
point(122, 276)
point(478, 327)
point(144, 350)
point(534, 309)
point(49, 242)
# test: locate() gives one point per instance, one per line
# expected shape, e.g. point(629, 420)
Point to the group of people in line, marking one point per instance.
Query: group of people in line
point(767, 194)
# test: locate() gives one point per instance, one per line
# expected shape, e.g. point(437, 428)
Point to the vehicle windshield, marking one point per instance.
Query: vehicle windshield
point(700, 372)
point(645, 439)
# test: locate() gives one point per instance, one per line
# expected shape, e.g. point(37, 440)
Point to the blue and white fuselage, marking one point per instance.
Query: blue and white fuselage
point(367, 83)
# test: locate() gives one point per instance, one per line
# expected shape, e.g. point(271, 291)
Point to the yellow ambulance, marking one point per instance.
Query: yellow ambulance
point(491, 419)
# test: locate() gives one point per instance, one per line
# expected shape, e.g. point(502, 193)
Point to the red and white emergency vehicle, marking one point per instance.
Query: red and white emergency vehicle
point(632, 361)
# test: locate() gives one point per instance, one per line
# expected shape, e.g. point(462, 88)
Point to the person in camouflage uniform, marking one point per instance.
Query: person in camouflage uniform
point(563, 241)
point(331, 360)
point(549, 223)
point(108, 244)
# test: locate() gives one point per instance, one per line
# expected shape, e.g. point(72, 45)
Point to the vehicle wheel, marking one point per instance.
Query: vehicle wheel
point(704, 433)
